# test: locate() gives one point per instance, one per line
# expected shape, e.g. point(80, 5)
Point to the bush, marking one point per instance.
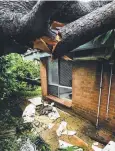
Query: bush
point(13, 72)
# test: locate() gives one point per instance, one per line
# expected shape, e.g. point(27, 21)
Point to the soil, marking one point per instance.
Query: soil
point(74, 122)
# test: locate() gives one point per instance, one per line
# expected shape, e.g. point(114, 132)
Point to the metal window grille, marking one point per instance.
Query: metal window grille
point(53, 77)
point(65, 73)
point(60, 78)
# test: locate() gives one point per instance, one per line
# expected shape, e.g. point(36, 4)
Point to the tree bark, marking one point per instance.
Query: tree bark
point(85, 29)
point(22, 22)
point(30, 81)
point(36, 23)
point(72, 10)
point(21, 26)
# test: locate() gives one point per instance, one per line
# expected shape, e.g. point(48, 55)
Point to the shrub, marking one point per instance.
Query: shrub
point(13, 72)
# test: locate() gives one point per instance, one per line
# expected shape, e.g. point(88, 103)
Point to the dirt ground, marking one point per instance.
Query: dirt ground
point(74, 122)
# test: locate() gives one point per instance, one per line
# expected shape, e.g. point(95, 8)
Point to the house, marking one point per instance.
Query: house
point(85, 82)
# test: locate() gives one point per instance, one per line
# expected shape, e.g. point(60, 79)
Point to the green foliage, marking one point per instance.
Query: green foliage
point(42, 145)
point(23, 131)
point(12, 67)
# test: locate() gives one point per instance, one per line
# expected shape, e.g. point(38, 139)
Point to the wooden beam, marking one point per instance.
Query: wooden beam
point(60, 101)
point(43, 76)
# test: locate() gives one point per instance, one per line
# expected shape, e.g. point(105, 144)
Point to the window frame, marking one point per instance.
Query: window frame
point(53, 84)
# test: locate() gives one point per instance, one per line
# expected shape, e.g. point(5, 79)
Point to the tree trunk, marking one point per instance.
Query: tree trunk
point(72, 10)
point(32, 82)
point(36, 23)
point(22, 22)
point(85, 29)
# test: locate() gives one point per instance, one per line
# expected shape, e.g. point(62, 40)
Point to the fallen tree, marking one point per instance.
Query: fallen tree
point(22, 22)
point(85, 29)
point(20, 26)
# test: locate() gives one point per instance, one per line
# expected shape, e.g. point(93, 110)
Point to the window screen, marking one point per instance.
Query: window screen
point(60, 78)
point(65, 74)
point(53, 77)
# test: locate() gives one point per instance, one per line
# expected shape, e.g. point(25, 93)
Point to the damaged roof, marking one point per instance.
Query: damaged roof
point(93, 50)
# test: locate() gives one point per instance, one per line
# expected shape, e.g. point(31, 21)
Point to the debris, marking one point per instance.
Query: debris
point(36, 101)
point(50, 125)
point(63, 144)
point(68, 146)
point(62, 128)
point(50, 111)
point(74, 140)
point(54, 114)
point(95, 148)
point(67, 132)
point(29, 113)
point(46, 110)
point(110, 146)
point(95, 143)
point(28, 146)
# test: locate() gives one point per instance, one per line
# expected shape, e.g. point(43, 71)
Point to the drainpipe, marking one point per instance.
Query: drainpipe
point(99, 101)
point(58, 78)
point(109, 93)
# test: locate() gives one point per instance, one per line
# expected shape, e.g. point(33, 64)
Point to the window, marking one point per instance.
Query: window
point(60, 78)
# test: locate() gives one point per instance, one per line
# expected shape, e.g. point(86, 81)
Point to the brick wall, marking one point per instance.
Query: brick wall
point(85, 90)
point(86, 86)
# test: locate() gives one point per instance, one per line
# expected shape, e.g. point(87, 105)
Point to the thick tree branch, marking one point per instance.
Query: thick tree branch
point(23, 25)
point(85, 29)
point(30, 81)
point(22, 22)
point(36, 23)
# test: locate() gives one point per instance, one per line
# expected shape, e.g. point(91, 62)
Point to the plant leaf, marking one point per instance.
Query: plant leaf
point(106, 37)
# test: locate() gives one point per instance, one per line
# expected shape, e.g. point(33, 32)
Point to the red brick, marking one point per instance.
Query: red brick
point(87, 89)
